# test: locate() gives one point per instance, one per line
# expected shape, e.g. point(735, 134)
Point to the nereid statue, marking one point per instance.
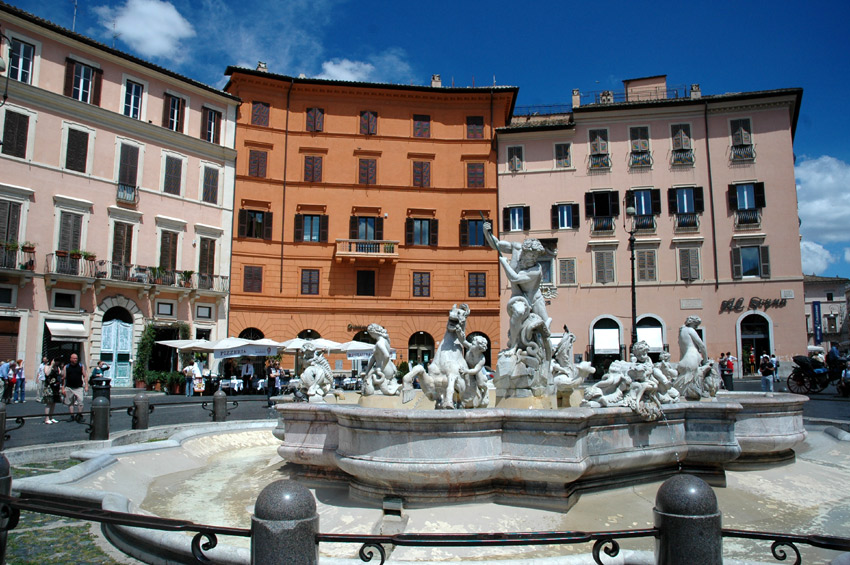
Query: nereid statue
point(380, 371)
point(567, 375)
point(317, 378)
point(697, 375)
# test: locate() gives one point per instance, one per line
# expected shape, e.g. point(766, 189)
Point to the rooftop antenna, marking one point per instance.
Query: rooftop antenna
point(115, 34)
point(74, 21)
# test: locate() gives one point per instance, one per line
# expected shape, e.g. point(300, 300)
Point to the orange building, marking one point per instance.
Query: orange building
point(361, 203)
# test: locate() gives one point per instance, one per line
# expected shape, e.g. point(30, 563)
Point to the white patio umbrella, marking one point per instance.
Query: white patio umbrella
point(187, 344)
point(294, 345)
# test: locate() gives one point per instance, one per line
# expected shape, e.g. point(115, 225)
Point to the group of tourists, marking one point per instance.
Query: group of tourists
point(13, 381)
point(56, 382)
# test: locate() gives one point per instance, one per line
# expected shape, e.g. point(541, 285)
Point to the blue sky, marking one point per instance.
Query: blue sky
point(547, 48)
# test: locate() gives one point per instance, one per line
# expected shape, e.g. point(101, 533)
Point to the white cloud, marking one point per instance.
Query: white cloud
point(847, 254)
point(344, 69)
point(816, 258)
point(823, 196)
point(387, 66)
point(152, 28)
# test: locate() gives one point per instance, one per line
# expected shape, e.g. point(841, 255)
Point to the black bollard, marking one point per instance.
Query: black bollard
point(10, 521)
point(2, 427)
point(100, 387)
point(219, 406)
point(140, 411)
point(99, 419)
point(688, 522)
point(284, 526)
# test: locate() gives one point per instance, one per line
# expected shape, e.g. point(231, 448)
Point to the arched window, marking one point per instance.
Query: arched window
point(487, 352)
point(420, 349)
point(118, 313)
point(251, 333)
point(364, 337)
point(309, 334)
point(651, 330)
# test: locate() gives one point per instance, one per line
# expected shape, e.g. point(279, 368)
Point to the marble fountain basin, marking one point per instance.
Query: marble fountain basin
point(538, 457)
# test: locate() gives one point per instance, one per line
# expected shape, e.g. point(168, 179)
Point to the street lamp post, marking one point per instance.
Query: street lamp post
point(630, 212)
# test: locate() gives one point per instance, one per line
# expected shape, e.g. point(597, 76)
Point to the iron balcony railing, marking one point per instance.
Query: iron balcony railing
point(640, 159)
point(64, 263)
point(637, 95)
point(602, 224)
point(687, 222)
point(105, 269)
point(682, 157)
point(127, 194)
point(599, 162)
point(380, 248)
point(742, 153)
point(17, 259)
point(748, 219)
point(645, 223)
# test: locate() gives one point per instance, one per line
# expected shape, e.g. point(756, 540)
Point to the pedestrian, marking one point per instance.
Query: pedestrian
point(190, 380)
point(775, 362)
point(7, 375)
point(75, 384)
point(51, 395)
point(40, 376)
point(20, 383)
point(725, 372)
point(270, 376)
point(100, 370)
point(247, 376)
point(766, 369)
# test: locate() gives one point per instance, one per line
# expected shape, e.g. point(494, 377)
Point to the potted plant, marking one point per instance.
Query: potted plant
point(11, 245)
point(140, 382)
point(76, 254)
point(88, 255)
point(186, 278)
point(154, 380)
point(175, 382)
point(156, 274)
point(61, 253)
point(28, 247)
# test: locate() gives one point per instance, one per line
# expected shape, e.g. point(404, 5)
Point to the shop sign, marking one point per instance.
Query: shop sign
point(756, 303)
point(352, 327)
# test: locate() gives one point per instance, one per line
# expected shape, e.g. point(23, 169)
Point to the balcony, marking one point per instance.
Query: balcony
point(600, 162)
point(740, 153)
point(127, 194)
point(682, 158)
point(353, 249)
point(63, 263)
point(748, 219)
point(17, 259)
point(602, 225)
point(640, 159)
point(645, 223)
point(687, 222)
point(139, 274)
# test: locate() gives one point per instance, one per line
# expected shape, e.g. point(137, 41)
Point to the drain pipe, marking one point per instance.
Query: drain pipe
point(711, 198)
point(285, 163)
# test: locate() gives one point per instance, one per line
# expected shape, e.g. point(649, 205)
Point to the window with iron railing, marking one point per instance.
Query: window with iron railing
point(687, 204)
point(599, 155)
point(602, 224)
point(683, 150)
point(742, 140)
point(639, 155)
point(747, 201)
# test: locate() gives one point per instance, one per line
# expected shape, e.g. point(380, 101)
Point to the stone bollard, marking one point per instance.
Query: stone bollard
point(100, 387)
point(219, 406)
point(688, 522)
point(140, 411)
point(2, 427)
point(5, 490)
point(99, 419)
point(284, 526)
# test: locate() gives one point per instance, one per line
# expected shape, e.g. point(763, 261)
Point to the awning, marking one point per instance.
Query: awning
point(67, 331)
point(606, 341)
point(652, 336)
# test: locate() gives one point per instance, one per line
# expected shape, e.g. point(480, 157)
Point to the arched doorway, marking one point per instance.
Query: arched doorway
point(116, 345)
point(755, 340)
point(651, 330)
point(251, 333)
point(605, 344)
point(487, 352)
point(420, 349)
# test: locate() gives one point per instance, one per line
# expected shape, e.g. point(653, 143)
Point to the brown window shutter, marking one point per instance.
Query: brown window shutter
point(181, 115)
point(464, 233)
point(15, 131)
point(352, 227)
point(70, 66)
point(166, 109)
point(76, 151)
point(764, 255)
point(267, 225)
point(408, 231)
point(379, 227)
point(323, 228)
point(129, 165)
point(97, 84)
point(206, 261)
point(299, 228)
point(205, 117)
point(242, 226)
point(433, 232)
point(217, 122)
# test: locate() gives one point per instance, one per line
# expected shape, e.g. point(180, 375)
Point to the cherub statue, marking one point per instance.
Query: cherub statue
point(380, 371)
point(476, 393)
point(317, 378)
point(665, 373)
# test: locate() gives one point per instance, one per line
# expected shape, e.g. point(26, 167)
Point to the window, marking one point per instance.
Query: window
point(421, 125)
point(599, 157)
point(311, 227)
point(173, 175)
point(210, 125)
point(257, 163)
point(168, 250)
point(65, 300)
point(685, 200)
point(646, 270)
point(206, 262)
point(260, 113)
point(751, 261)
point(10, 220)
point(368, 228)
point(422, 174)
point(546, 271)
point(830, 296)
point(683, 150)
point(309, 281)
point(82, 82)
point(252, 279)
point(639, 146)
point(742, 140)
point(209, 191)
point(515, 160)
point(203, 312)
point(165, 309)
point(516, 218)
point(368, 122)
point(477, 285)
point(8, 295)
point(367, 171)
point(831, 324)
point(312, 168)
point(122, 250)
point(365, 283)
point(562, 156)
point(645, 201)
point(128, 170)
point(133, 92)
point(173, 112)
point(689, 264)
point(475, 127)
point(255, 224)
point(421, 284)
point(746, 196)
point(601, 203)
point(420, 231)
point(604, 261)
point(475, 175)
point(315, 119)
point(567, 271)
point(564, 216)
point(472, 233)
point(21, 56)
point(70, 237)
point(15, 131)
point(76, 150)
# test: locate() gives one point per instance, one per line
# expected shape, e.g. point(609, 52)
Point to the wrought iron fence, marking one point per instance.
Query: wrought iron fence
point(65, 263)
point(17, 259)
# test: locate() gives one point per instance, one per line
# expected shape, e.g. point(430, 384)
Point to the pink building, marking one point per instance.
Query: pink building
point(120, 173)
point(711, 182)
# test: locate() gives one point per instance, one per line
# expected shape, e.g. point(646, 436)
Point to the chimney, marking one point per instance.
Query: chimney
point(695, 92)
point(436, 82)
point(576, 98)
point(261, 66)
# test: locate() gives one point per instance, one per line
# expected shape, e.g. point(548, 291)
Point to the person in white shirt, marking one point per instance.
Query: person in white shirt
point(41, 376)
point(247, 375)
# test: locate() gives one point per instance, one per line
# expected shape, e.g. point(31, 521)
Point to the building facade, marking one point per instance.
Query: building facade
point(711, 182)
point(116, 198)
point(359, 203)
point(826, 310)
